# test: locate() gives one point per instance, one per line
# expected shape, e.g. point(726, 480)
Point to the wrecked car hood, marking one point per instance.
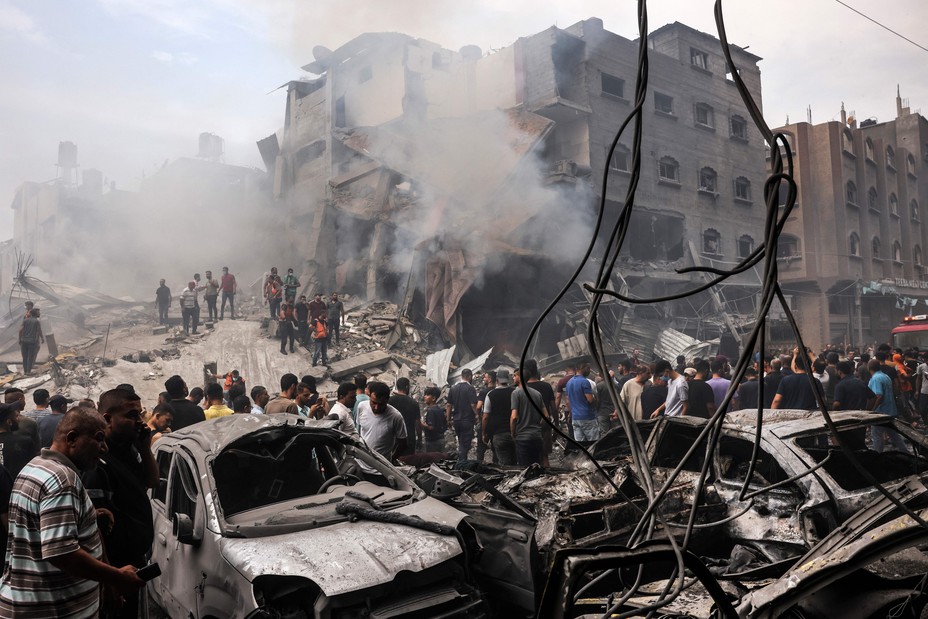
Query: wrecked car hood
point(375, 552)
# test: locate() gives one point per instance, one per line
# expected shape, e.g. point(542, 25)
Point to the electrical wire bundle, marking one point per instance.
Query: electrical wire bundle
point(651, 523)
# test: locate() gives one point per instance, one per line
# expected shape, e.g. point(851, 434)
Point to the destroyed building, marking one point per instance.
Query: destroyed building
point(851, 254)
point(463, 186)
point(71, 226)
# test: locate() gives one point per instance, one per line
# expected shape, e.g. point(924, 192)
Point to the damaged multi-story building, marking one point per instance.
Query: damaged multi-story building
point(851, 253)
point(465, 185)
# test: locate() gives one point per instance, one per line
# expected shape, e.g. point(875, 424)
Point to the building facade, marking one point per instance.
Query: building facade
point(395, 126)
point(851, 254)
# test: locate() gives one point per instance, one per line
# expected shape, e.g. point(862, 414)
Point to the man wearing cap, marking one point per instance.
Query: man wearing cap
point(496, 412)
point(48, 424)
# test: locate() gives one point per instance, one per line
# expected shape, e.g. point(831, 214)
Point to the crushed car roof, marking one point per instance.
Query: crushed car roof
point(788, 422)
point(213, 435)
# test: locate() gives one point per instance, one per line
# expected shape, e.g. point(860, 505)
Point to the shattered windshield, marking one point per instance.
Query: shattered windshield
point(886, 466)
point(283, 464)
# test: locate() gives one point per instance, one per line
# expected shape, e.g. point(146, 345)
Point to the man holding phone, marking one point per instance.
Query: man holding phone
point(120, 484)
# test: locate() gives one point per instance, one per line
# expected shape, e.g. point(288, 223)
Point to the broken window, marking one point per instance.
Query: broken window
point(663, 103)
point(668, 169)
point(699, 59)
point(893, 205)
point(788, 246)
point(612, 85)
point(729, 74)
point(267, 468)
point(734, 458)
point(164, 469)
point(704, 115)
point(890, 157)
point(708, 180)
point(897, 251)
point(620, 158)
point(854, 244)
point(739, 128)
point(676, 439)
point(742, 188)
point(655, 236)
point(851, 193)
point(875, 247)
point(917, 255)
point(183, 490)
point(910, 164)
point(745, 246)
point(711, 242)
point(885, 467)
point(913, 210)
point(872, 199)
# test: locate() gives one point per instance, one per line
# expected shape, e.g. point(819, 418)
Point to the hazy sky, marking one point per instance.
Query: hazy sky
point(134, 82)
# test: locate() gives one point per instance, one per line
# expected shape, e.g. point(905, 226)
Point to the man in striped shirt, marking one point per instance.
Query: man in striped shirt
point(54, 551)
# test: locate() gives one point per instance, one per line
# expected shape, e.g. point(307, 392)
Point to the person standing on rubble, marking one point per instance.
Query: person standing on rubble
point(497, 411)
point(291, 285)
point(336, 311)
point(380, 425)
point(580, 398)
point(229, 287)
point(273, 292)
point(631, 392)
point(30, 339)
point(211, 294)
point(533, 380)
point(163, 301)
point(286, 327)
point(433, 424)
point(302, 320)
point(461, 412)
point(190, 307)
point(525, 423)
point(316, 307)
point(320, 339)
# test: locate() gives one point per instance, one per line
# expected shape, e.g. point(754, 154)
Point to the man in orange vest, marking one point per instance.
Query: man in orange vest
point(320, 336)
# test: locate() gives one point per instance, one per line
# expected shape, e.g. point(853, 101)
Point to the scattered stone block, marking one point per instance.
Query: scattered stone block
point(358, 363)
point(159, 330)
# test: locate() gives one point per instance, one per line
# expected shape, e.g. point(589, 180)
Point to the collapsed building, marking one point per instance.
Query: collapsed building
point(464, 186)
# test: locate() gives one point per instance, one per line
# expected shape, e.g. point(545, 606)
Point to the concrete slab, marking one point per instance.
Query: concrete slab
point(358, 363)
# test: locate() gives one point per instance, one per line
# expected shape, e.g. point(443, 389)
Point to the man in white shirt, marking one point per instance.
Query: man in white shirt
point(380, 425)
point(677, 402)
point(341, 410)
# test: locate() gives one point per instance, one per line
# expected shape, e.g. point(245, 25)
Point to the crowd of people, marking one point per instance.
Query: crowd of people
point(75, 476)
point(300, 321)
point(884, 380)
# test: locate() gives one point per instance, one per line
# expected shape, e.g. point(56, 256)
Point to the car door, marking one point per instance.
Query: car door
point(162, 526)
point(183, 578)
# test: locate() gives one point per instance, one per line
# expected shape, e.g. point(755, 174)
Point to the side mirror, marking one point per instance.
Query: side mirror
point(183, 530)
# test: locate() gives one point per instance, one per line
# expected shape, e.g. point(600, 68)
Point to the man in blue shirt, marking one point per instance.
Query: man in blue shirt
point(582, 412)
point(882, 386)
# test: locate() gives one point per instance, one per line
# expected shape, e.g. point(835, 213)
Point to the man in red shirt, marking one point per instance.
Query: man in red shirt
point(229, 288)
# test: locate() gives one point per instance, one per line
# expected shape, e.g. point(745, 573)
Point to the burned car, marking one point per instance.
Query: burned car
point(803, 484)
point(277, 516)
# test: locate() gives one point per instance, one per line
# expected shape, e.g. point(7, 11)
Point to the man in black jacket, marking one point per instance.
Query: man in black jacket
point(186, 413)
